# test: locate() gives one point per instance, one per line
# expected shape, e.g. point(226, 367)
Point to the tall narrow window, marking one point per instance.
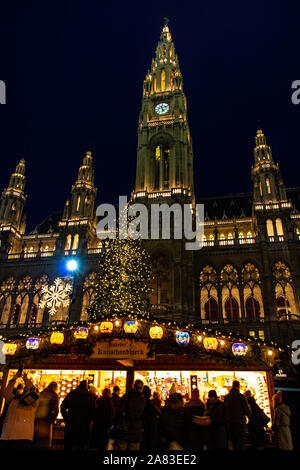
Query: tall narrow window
point(268, 186)
point(154, 82)
point(78, 204)
point(68, 242)
point(231, 309)
point(270, 228)
point(211, 309)
point(157, 157)
point(163, 80)
point(166, 167)
point(252, 308)
point(260, 189)
point(279, 228)
point(75, 242)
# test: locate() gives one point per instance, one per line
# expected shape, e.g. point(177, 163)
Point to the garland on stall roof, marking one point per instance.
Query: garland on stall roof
point(257, 353)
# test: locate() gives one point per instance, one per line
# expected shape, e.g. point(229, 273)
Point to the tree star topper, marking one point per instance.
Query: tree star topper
point(56, 295)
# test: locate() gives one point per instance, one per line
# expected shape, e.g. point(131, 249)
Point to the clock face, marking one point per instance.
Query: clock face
point(162, 108)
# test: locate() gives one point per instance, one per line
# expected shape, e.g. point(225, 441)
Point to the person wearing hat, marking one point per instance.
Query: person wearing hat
point(78, 411)
point(217, 435)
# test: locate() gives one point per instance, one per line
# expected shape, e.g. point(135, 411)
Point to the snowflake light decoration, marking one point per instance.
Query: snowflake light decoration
point(55, 296)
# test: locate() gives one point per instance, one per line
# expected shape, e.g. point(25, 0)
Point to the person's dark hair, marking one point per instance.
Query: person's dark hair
point(212, 394)
point(138, 385)
point(82, 385)
point(175, 398)
point(236, 384)
point(116, 388)
point(147, 392)
point(106, 392)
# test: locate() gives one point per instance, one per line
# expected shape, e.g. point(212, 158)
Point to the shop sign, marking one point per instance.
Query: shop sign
point(120, 349)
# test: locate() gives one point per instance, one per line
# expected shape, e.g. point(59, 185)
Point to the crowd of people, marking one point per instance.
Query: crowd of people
point(139, 420)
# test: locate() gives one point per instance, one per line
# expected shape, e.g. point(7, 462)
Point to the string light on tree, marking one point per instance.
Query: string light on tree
point(123, 280)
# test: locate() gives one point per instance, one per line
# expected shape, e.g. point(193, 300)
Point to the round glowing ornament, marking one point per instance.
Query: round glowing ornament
point(130, 327)
point(106, 327)
point(182, 337)
point(81, 332)
point(9, 349)
point(239, 349)
point(156, 332)
point(210, 344)
point(57, 338)
point(33, 343)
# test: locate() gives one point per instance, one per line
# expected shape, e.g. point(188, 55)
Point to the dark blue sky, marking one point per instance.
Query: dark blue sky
point(74, 73)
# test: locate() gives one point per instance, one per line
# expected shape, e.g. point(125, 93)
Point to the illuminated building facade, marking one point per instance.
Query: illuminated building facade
point(245, 278)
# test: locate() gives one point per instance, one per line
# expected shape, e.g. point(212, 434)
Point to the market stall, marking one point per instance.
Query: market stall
point(167, 356)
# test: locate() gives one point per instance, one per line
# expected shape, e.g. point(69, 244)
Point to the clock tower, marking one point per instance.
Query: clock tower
point(164, 154)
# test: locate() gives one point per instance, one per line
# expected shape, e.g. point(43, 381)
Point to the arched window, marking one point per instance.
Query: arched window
point(231, 309)
point(161, 163)
point(163, 80)
point(260, 189)
point(279, 228)
point(157, 167)
point(68, 242)
point(211, 309)
point(252, 309)
point(33, 316)
point(283, 306)
point(284, 291)
point(16, 314)
point(268, 186)
point(78, 204)
point(75, 242)
point(270, 228)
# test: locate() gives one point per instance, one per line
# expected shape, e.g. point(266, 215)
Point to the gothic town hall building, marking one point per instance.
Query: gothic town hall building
point(246, 277)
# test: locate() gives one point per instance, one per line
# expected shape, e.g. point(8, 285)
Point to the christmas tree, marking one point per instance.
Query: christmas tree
point(123, 279)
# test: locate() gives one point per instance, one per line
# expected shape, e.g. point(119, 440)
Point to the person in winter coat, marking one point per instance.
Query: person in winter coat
point(116, 399)
point(281, 424)
point(46, 415)
point(236, 410)
point(78, 410)
point(130, 417)
point(172, 422)
point(217, 434)
point(18, 426)
point(16, 391)
point(104, 416)
point(257, 423)
point(195, 434)
point(150, 423)
point(156, 401)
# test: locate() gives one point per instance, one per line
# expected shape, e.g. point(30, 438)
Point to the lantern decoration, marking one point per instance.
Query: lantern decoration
point(182, 337)
point(210, 344)
point(57, 338)
point(9, 349)
point(130, 327)
point(32, 343)
point(156, 332)
point(106, 327)
point(239, 349)
point(81, 332)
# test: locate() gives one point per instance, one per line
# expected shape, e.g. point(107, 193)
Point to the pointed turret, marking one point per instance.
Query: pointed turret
point(13, 199)
point(83, 193)
point(165, 73)
point(268, 184)
point(165, 154)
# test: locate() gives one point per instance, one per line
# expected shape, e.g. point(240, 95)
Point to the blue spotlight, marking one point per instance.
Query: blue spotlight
point(72, 265)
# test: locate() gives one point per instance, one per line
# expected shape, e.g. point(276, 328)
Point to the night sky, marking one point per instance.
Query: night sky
point(74, 73)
